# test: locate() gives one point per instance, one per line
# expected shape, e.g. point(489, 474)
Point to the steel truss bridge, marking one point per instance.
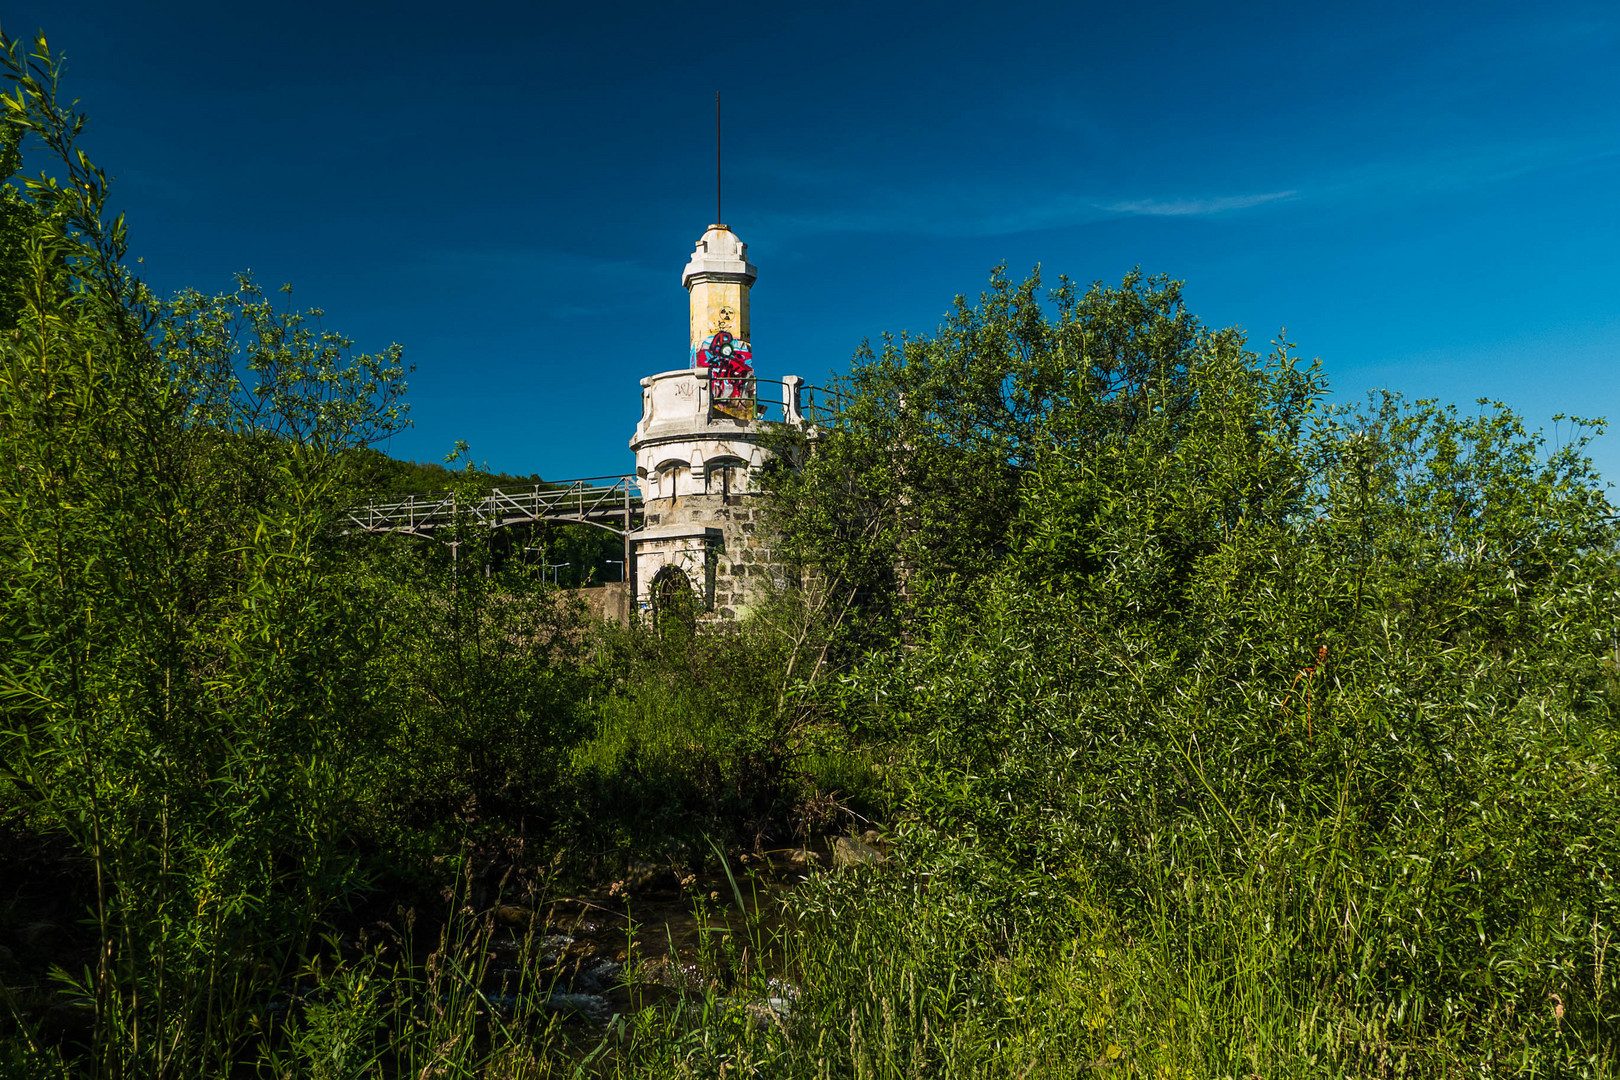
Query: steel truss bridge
point(608, 502)
point(613, 503)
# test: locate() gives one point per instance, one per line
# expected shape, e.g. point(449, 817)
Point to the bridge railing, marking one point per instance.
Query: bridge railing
point(595, 500)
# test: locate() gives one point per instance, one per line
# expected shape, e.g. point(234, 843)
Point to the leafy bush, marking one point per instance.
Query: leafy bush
point(480, 673)
point(1311, 711)
point(699, 734)
point(177, 640)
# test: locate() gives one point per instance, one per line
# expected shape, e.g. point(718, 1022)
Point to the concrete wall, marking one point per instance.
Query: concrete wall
point(609, 602)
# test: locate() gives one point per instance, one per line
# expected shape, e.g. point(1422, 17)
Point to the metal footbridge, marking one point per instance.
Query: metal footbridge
point(608, 502)
point(690, 402)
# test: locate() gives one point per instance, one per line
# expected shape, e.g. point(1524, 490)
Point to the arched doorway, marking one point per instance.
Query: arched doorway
point(674, 601)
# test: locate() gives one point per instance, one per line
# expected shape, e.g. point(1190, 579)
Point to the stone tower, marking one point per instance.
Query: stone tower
point(700, 445)
point(718, 278)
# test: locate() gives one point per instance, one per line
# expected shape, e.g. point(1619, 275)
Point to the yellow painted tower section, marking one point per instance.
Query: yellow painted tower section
point(719, 305)
point(718, 279)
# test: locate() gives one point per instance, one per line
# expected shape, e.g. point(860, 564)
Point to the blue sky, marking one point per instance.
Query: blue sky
point(1426, 196)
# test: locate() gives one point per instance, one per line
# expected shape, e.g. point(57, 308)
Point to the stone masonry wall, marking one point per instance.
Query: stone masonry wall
point(729, 568)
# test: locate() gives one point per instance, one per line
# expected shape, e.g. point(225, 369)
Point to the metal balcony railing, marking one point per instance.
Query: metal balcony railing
point(772, 401)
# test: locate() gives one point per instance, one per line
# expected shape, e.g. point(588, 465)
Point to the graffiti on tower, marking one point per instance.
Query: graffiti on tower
point(731, 386)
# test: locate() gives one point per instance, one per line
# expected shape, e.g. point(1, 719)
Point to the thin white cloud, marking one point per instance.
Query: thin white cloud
point(948, 211)
point(1196, 207)
point(959, 213)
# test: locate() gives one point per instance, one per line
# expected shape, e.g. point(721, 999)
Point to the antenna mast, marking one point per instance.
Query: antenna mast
point(718, 220)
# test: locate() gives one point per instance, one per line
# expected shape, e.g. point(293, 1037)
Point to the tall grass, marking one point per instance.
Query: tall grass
point(399, 1012)
point(901, 974)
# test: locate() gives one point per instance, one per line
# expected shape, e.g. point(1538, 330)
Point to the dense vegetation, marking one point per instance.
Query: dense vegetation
point(375, 471)
point(1235, 733)
point(1215, 731)
point(573, 555)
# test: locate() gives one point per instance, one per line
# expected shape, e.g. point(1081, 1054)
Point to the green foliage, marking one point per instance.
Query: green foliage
point(23, 1059)
point(17, 216)
point(580, 555)
point(336, 1037)
point(244, 367)
point(1322, 700)
point(375, 473)
point(1220, 732)
point(698, 734)
point(914, 485)
point(480, 672)
point(384, 1012)
point(176, 681)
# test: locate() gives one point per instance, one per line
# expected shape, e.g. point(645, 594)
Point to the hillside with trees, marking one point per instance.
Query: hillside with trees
point(1132, 709)
point(377, 473)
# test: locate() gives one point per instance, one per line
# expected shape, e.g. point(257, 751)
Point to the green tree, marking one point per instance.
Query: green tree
point(16, 215)
point(1327, 695)
point(179, 648)
point(481, 677)
point(913, 483)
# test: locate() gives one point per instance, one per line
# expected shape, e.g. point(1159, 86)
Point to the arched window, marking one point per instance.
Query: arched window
point(725, 475)
point(667, 477)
